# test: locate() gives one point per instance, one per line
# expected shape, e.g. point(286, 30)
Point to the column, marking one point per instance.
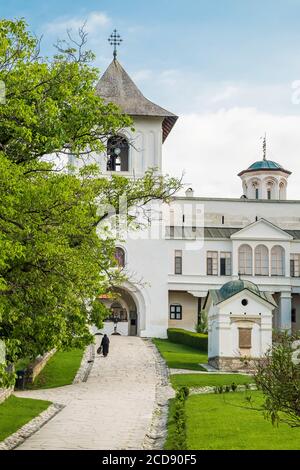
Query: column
point(235, 260)
point(275, 192)
point(285, 311)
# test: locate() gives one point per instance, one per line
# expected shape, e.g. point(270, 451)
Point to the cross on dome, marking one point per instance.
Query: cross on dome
point(265, 148)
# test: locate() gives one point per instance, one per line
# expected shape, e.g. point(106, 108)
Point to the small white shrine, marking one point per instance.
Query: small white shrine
point(239, 324)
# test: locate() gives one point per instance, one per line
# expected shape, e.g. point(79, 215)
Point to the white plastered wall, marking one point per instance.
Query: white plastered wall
point(189, 305)
point(225, 319)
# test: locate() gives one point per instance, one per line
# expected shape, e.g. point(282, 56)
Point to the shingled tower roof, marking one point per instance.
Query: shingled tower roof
point(115, 86)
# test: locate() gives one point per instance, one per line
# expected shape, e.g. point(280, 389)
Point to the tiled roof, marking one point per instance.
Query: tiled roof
point(219, 232)
point(295, 234)
point(232, 288)
point(226, 232)
point(115, 86)
point(212, 232)
point(264, 165)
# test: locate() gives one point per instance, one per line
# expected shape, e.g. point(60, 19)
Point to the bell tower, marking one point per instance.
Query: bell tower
point(132, 153)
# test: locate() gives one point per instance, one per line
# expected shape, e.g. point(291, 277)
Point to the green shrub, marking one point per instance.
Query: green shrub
point(194, 340)
point(202, 326)
point(182, 393)
point(179, 418)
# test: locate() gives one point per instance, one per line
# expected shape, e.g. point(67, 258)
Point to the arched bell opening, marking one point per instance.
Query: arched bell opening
point(117, 154)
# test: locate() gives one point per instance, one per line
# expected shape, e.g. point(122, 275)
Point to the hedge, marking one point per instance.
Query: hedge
point(179, 418)
point(195, 340)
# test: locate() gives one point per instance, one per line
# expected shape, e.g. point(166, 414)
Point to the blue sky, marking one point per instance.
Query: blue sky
point(249, 42)
point(216, 63)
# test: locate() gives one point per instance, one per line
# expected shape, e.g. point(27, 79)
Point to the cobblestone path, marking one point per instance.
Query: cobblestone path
point(112, 410)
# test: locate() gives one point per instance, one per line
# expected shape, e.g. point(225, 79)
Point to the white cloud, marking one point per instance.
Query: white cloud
point(212, 148)
point(95, 20)
point(227, 93)
point(186, 91)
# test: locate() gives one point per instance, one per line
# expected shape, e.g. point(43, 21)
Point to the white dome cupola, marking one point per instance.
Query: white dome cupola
point(265, 179)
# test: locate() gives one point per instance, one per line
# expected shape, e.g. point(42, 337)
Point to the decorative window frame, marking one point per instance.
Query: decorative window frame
point(264, 268)
point(214, 267)
point(127, 137)
point(175, 312)
point(247, 270)
point(125, 255)
point(280, 262)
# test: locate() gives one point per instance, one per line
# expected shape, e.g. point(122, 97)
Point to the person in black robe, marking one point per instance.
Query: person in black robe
point(105, 345)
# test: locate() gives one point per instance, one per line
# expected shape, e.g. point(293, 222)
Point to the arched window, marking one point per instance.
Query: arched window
point(245, 260)
point(261, 261)
point(270, 189)
point(120, 256)
point(256, 189)
point(282, 191)
point(277, 261)
point(117, 154)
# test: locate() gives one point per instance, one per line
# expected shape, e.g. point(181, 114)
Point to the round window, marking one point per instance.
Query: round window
point(244, 302)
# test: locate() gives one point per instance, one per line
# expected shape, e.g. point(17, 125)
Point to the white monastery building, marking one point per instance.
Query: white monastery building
point(235, 260)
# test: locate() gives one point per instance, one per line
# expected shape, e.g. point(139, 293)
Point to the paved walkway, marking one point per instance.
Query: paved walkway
point(113, 410)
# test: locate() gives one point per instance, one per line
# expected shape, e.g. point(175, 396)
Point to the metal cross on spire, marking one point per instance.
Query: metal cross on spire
point(115, 40)
point(265, 148)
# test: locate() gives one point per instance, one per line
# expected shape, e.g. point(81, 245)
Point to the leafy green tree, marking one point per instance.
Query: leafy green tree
point(278, 376)
point(56, 256)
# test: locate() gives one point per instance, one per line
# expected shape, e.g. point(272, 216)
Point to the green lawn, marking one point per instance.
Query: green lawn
point(225, 422)
point(60, 370)
point(15, 412)
point(179, 356)
point(208, 380)
point(169, 444)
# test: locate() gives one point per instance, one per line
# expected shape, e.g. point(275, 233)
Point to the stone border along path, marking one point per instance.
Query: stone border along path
point(208, 372)
point(86, 365)
point(13, 441)
point(157, 433)
point(209, 389)
point(123, 405)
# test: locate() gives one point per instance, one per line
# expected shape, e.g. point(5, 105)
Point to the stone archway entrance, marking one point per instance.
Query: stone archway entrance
point(124, 317)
